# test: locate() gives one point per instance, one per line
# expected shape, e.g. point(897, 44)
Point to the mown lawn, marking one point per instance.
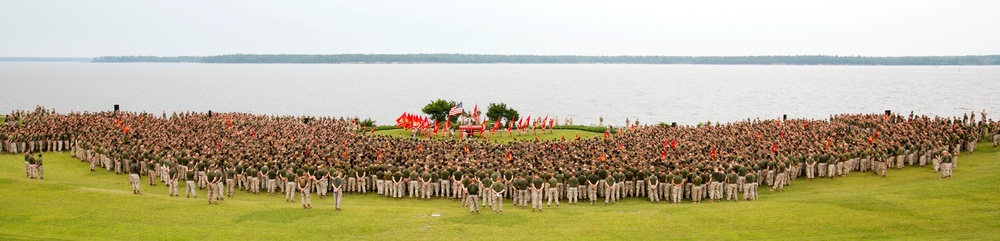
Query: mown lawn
point(75, 204)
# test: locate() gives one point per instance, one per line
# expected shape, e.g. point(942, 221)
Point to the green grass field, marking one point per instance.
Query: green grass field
point(501, 136)
point(73, 203)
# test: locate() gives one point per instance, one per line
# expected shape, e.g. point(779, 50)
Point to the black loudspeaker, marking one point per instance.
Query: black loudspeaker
point(888, 112)
point(116, 108)
point(210, 114)
point(784, 117)
point(673, 124)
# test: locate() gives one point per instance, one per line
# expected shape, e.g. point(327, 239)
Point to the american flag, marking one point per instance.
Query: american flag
point(457, 109)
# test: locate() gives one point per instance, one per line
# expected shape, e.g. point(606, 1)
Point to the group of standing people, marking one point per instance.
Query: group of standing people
point(226, 153)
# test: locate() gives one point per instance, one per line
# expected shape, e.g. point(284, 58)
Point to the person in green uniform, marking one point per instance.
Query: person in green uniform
point(696, 189)
point(553, 191)
point(272, 179)
point(435, 183)
point(446, 183)
point(497, 196)
point(202, 176)
point(303, 186)
point(27, 164)
point(536, 193)
point(190, 185)
point(466, 181)
point(473, 193)
point(151, 168)
point(362, 176)
point(338, 190)
point(397, 184)
point(412, 185)
point(524, 195)
point(39, 169)
point(133, 177)
point(172, 182)
point(425, 185)
point(653, 183)
point(457, 177)
point(678, 187)
point(731, 186)
point(290, 185)
point(572, 189)
point(352, 181)
point(629, 183)
point(609, 189)
point(592, 181)
point(487, 190)
point(220, 180)
point(322, 182)
point(780, 177)
point(210, 192)
point(754, 180)
point(230, 181)
point(946, 164)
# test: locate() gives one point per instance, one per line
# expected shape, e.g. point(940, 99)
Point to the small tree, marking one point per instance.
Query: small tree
point(496, 111)
point(438, 110)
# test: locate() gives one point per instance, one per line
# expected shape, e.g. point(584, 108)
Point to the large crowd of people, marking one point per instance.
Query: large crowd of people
point(230, 154)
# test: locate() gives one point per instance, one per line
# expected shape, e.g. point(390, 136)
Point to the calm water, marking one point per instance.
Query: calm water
point(686, 94)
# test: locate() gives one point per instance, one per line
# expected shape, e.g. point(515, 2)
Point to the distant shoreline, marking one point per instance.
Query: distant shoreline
point(971, 60)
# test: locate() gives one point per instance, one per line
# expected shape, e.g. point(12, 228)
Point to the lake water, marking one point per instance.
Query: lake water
point(686, 94)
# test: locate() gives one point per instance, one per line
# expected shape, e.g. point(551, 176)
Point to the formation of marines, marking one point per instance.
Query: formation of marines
point(226, 153)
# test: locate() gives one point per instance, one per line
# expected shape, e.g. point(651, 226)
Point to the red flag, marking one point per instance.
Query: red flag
point(663, 154)
point(495, 126)
point(399, 121)
point(606, 134)
point(127, 128)
point(474, 110)
point(665, 145)
point(545, 120)
point(782, 134)
point(620, 146)
point(509, 156)
point(526, 122)
point(420, 147)
point(603, 156)
point(713, 153)
point(252, 133)
point(774, 148)
point(373, 129)
point(447, 124)
point(379, 157)
point(563, 137)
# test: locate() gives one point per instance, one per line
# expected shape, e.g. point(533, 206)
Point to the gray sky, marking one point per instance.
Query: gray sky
point(168, 28)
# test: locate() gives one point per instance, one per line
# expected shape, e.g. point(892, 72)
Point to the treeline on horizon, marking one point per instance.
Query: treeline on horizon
point(560, 59)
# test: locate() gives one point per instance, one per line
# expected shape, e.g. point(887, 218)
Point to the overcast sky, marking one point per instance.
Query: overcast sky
point(701, 28)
